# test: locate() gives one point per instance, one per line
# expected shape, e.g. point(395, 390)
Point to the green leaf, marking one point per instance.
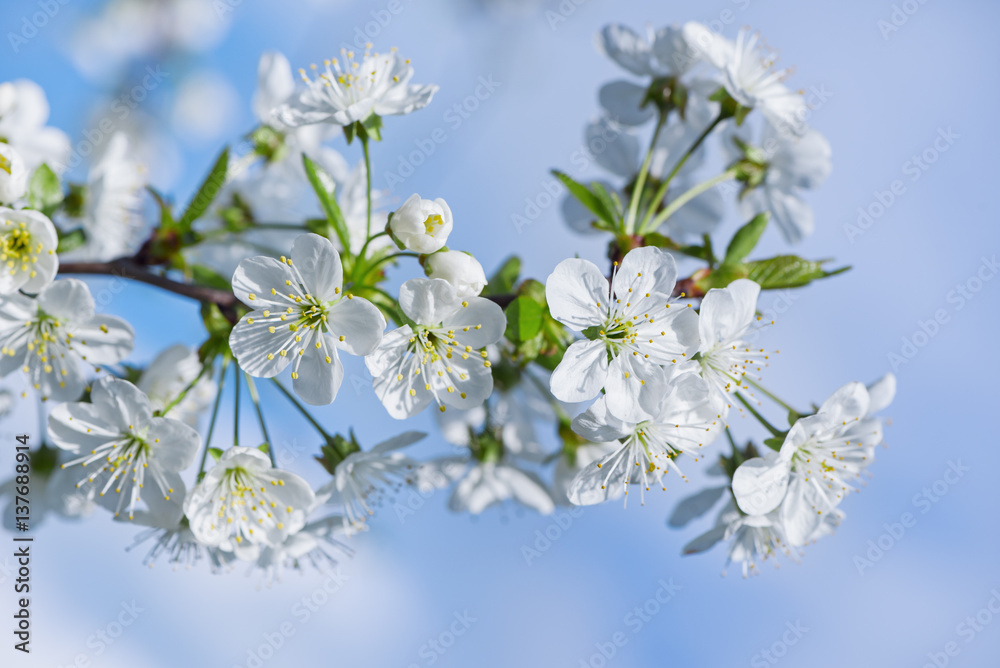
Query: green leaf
point(216, 324)
point(207, 191)
point(586, 197)
point(745, 239)
point(204, 276)
point(216, 453)
point(264, 447)
point(503, 279)
point(608, 200)
point(524, 319)
point(323, 185)
point(774, 442)
point(721, 276)
point(71, 240)
point(787, 271)
point(44, 190)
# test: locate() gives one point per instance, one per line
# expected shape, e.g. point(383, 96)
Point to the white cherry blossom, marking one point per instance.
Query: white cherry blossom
point(243, 502)
point(49, 336)
point(301, 314)
point(633, 327)
point(687, 419)
point(440, 358)
point(125, 450)
point(28, 243)
point(725, 319)
point(349, 91)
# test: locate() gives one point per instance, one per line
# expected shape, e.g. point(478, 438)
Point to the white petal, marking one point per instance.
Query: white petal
point(622, 100)
point(318, 379)
point(759, 484)
point(485, 320)
point(67, 299)
point(105, 339)
point(881, 393)
point(597, 425)
point(526, 488)
point(359, 322)
point(428, 300)
point(626, 47)
point(581, 373)
point(178, 443)
point(695, 506)
point(576, 292)
point(635, 387)
point(318, 262)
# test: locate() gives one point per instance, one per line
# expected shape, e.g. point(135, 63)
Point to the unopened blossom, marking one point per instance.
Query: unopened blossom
point(13, 175)
point(301, 313)
point(633, 326)
point(793, 164)
point(750, 78)
point(422, 225)
point(687, 419)
point(48, 338)
point(441, 357)
point(460, 269)
point(111, 215)
point(726, 317)
point(126, 453)
point(362, 476)
point(348, 91)
point(28, 243)
point(24, 110)
point(243, 502)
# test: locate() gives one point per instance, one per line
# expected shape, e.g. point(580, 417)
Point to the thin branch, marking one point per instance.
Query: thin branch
point(130, 269)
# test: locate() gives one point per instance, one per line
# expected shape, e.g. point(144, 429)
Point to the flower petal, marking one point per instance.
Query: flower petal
point(576, 292)
point(581, 373)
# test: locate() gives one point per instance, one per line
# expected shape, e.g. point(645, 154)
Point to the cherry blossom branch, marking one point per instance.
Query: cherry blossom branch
point(129, 268)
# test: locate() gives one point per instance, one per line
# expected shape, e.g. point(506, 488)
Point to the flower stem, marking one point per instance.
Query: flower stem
point(381, 260)
point(215, 415)
point(771, 396)
point(302, 409)
point(368, 181)
point(260, 417)
point(685, 198)
point(640, 181)
point(183, 393)
point(677, 168)
point(760, 418)
point(236, 411)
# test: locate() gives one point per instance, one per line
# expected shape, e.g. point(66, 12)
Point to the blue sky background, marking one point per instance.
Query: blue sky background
point(890, 98)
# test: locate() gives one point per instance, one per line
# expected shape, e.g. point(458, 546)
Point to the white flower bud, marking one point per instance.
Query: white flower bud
point(460, 269)
point(13, 175)
point(422, 225)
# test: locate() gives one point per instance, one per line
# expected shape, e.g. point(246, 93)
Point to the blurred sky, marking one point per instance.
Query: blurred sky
point(888, 98)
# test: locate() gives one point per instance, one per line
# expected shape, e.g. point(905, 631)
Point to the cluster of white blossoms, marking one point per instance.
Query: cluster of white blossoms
point(712, 83)
point(567, 392)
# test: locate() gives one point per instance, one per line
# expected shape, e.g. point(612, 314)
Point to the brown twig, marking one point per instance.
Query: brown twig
point(130, 269)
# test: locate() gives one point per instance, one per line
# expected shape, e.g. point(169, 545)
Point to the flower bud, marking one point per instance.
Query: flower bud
point(422, 225)
point(460, 269)
point(13, 175)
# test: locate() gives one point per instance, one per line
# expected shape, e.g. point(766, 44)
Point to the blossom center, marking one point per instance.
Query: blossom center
point(431, 221)
point(18, 248)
